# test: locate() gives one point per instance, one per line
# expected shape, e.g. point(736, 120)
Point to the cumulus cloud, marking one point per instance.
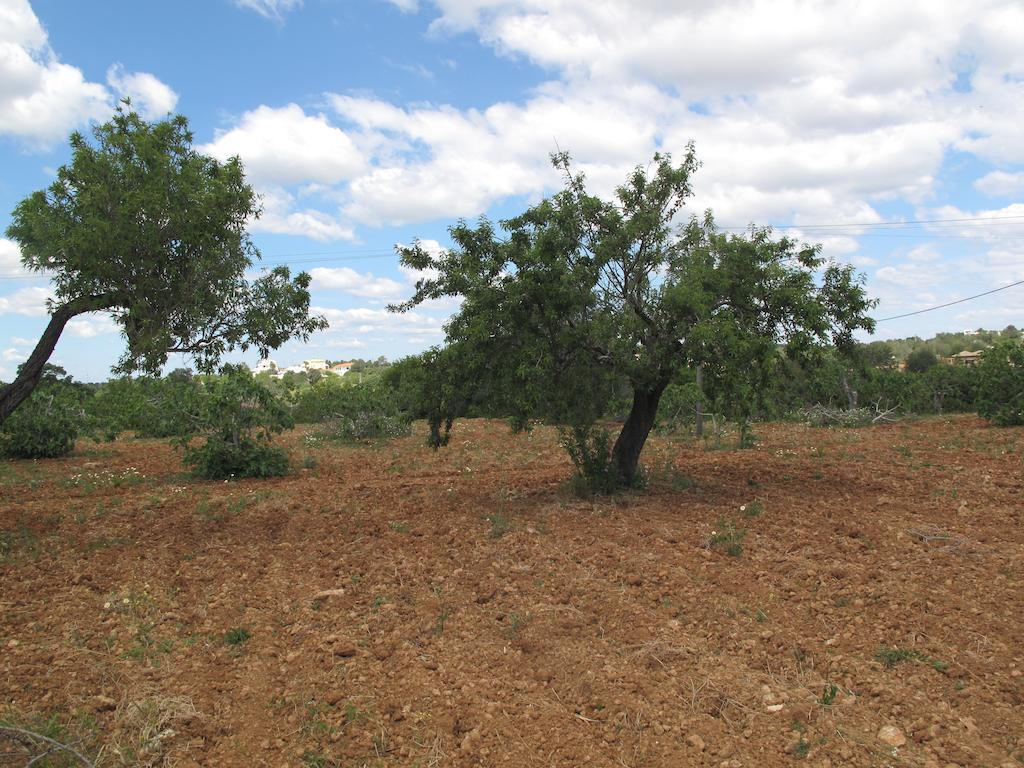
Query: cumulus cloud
point(287, 146)
point(274, 10)
point(41, 98)
point(10, 259)
point(30, 302)
point(356, 283)
point(282, 216)
point(1001, 184)
point(91, 325)
point(361, 322)
point(152, 98)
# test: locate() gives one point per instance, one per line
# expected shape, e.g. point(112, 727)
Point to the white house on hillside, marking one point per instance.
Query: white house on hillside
point(340, 369)
point(265, 366)
point(314, 365)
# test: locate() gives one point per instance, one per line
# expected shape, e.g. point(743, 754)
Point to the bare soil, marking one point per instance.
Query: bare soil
point(785, 605)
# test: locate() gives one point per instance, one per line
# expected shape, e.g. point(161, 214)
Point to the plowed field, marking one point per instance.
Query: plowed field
point(828, 598)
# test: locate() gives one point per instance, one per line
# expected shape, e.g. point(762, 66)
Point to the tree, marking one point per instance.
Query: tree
point(921, 360)
point(140, 225)
point(581, 294)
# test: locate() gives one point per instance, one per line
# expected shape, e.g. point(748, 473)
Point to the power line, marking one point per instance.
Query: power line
point(912, 222)
point(951, 303)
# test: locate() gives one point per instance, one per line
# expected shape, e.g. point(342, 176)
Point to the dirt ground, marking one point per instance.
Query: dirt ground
point(830, 598)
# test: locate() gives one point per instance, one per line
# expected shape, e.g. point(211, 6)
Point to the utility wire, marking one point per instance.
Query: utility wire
point(951, 303)
point(310, 257)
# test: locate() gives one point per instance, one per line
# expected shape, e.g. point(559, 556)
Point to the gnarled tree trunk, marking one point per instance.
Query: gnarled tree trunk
point(15, 393)
point(630, 442)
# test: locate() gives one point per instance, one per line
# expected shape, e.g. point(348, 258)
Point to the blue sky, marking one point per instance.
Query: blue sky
point(365, 124)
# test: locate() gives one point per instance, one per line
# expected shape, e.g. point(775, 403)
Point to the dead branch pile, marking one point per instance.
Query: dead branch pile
point(830, 416)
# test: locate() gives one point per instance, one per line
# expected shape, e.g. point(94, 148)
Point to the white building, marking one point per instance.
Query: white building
point(314, 365)
point(340, 369)
point(265, 366)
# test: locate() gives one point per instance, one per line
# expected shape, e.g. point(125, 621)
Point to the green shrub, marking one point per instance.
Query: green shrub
point(360, 413)
point(1001, 384)
point(240, 416)
point(149, 407)
point(590, 450)
point(217, 459)
point(46, 425)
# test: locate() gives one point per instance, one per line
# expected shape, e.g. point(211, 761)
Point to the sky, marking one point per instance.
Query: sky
point(888, 132)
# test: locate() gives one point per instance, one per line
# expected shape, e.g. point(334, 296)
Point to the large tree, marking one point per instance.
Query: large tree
point(141, 225)
point(579, 294)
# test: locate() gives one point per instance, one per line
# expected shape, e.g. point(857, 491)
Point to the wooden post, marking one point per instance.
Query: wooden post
point(700, 401)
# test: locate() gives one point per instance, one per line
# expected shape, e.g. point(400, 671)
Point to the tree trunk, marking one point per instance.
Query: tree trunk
point(850, 392)
point(630, 442)
point(15, 393)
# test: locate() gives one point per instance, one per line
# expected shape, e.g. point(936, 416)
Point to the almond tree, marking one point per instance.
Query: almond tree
point(564, 303)
point(140, 225)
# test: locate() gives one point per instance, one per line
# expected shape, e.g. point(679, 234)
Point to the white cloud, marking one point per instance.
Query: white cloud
point(363, 321)
point(14, 355)
point(912, 275)
point(10, 259)
point(286, 146)
point(280, 216)
point(30, 302)
point(406, 6)
point(356, 283)
point(150, 97)
point(1001, 184)
point(270, 9)
point(41, 99)
point(91, 325)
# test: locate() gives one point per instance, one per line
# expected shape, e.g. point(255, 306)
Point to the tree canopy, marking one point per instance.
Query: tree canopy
point(579, 296)
point(141, 225)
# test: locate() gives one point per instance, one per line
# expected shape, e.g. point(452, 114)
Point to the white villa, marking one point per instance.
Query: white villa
point(316, 364)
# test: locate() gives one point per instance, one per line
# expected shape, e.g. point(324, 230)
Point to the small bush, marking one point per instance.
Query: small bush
point(237, 636)
point(43, 427)
point(219, 459)
point(359, 413)
point(590, 449)
point(239, 416)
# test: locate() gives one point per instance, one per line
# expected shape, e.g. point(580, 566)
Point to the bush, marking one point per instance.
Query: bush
point(590, 449)
point(360, 413)
point(149, 407)
point(46, 425)
point(1001, 384)
point(240, 416)
point(218, 459)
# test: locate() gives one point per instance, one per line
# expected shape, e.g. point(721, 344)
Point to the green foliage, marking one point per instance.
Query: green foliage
point(579, 296)
point(147, 406)
point(141, 225)
point(240, 417)
point(678, 406)
point(890, 657)
point(1001, 383)
point(48, 423)
point(727, 537)
point(217, 459)
point(590, 450)
point(237, 636)
point(921, 360)
point(363, 412)
point(500, 524)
